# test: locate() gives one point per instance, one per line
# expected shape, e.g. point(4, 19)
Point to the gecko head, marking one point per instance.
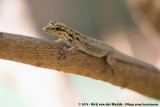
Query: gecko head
point(53, 27)
point(58, 29)
point(61, 31)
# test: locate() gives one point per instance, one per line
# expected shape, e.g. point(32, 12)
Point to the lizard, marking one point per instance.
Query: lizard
point(91, 46)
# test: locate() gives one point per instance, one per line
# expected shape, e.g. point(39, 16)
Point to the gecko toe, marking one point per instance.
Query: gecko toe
point(63, 53)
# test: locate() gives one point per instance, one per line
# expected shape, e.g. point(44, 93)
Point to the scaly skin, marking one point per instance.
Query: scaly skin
point(89, 45)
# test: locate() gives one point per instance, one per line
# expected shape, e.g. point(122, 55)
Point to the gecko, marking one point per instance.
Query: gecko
point(91, 46)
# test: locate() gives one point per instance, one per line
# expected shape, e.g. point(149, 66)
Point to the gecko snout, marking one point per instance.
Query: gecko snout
point(48, 28)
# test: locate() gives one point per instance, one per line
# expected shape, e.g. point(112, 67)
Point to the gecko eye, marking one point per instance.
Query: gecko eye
point(70, 40)
point(58, 28)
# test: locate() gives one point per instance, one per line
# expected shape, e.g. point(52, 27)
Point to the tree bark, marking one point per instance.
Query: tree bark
point(46, 54)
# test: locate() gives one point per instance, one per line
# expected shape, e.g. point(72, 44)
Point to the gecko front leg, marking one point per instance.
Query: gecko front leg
point(110, 62)
point(66, 51)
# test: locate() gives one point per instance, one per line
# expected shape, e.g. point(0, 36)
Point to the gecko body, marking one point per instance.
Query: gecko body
point(90, 45)
point(75, 39)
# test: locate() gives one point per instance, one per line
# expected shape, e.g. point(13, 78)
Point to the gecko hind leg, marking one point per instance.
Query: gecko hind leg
point(110, 62)
point(66, 51)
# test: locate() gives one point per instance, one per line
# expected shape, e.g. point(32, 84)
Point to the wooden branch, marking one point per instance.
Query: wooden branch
point(46, 54)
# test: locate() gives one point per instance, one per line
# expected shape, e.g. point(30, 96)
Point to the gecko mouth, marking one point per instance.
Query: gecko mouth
point(46, 29)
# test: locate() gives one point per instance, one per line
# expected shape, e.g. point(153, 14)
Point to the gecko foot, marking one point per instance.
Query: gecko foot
point(110, 63)
point(65, 52)
point(110, 68)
